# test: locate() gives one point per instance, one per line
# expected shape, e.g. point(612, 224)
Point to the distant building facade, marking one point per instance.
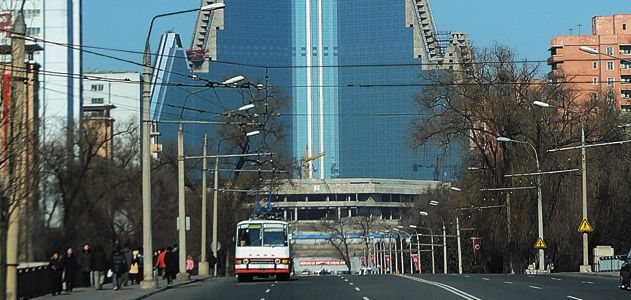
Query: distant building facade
point(591, 75)
point(111, 106)
point(350, 79)
point(54, 22)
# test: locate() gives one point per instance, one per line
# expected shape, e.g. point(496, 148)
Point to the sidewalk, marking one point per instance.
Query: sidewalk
point(593, 274)
point(131, 292)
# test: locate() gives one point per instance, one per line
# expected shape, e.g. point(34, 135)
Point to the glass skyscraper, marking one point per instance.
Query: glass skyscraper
point(349, 69)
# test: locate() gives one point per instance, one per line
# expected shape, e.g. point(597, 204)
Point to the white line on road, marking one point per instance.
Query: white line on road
point(467, 276)
point(276, 281)
point(366, 298)
point(346, 280)
point(508, 282)
point(557, 279)
point(534, 287)
point(267, 291)
point(357, 289)
point(443, 286)
point(484, 278)
point(262, 298)
point(350, 283)
point(273, 284)
point(575, 298)
point(588, 282)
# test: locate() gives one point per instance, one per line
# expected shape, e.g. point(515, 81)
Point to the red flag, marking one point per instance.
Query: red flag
point(388, 261)
point(477, 248)
point(416, 261)
point(363, 261)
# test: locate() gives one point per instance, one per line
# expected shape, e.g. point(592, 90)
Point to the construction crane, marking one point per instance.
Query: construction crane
point(306, 166)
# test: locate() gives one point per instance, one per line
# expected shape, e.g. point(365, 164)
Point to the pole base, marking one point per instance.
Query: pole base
point(204, 267)
point(585, 269)
point(148, 284)
point(182, 276)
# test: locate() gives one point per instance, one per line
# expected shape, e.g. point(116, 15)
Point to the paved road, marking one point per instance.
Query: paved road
point(374, 287)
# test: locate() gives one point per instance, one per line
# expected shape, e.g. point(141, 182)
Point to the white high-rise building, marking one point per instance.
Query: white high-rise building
point(55, 22)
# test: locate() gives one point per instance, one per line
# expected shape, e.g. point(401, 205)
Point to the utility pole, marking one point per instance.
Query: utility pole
point(459, 246)
point(18, 102)
point(444, 249)
point(182, 275)
point(215, 200)
point(203, 263)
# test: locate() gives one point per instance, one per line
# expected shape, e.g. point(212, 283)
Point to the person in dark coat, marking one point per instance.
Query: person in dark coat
point(56, 268)
point(127, 253)
point(85, 261)
point(70, 269)
point(119, 267)
point(99, 266)
point(172, 267)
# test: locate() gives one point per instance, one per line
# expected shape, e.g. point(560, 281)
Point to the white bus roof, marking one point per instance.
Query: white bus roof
point(263, 222)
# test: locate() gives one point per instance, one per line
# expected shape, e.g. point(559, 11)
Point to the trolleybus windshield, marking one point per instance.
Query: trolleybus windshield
point(257, 234)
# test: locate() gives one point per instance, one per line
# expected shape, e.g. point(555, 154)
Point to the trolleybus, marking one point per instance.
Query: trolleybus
point(262, 250)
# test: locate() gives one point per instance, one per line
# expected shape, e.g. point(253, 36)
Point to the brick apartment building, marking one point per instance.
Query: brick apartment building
point(606, 73)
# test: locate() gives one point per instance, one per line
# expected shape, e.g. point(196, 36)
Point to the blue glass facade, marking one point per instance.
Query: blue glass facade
point(350, 72)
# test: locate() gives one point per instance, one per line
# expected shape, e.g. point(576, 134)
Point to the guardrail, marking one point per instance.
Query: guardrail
point(611, 263)
point(34, 282)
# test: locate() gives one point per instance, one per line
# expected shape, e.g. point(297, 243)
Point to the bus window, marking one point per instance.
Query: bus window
point(250, 235)
point(274, 235)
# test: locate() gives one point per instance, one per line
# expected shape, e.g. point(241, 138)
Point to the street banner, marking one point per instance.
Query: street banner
point(322, 262)
point(416, 261)
point(372, 259)
point(389, 266)
point(363, 261)
point(477, 249)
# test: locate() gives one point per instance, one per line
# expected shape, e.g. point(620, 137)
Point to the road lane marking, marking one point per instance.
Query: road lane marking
point(350, 283)
point(508, 282)
point(267, 291)
point(467, 276)
point(557, 279)
point(366, 298)
point(357, 289)
point(262, 298)
point(484, 278)
point(273, 284)
point(443, 286)
point(575, 298)
point(275, 281)
point(346, 280)
point(534, 287)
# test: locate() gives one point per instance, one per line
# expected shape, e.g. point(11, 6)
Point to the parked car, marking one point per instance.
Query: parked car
point(305, 272)
point(324, 272)
point(625, 273)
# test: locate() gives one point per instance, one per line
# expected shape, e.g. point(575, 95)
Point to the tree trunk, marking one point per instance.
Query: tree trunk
point(4, 226)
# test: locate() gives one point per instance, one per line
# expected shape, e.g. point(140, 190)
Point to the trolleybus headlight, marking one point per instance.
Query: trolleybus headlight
point(277, 261)
point(246, 261)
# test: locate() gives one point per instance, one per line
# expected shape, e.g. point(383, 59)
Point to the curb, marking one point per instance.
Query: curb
point(594, 274)
point(164, 288)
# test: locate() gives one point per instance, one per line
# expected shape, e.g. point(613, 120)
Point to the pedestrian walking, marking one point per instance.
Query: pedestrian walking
point(70, 269)
point(119, 267)
point(56, 268)
point(85, 262)
point(127, 253)
point(99, 266)
point(134, 269)
point(190, 265)
point(170, 260)
point(160, 262)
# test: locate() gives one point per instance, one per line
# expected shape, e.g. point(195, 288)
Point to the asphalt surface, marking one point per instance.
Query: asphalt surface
point(373, 287)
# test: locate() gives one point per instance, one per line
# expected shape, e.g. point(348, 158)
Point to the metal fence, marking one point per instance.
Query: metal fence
point(611, 263)
point(38, 281)
point(34, 282)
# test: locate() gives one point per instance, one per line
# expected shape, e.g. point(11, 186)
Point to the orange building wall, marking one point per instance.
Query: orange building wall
point(607, 32)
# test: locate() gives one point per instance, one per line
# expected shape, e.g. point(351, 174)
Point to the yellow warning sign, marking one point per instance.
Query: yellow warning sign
point(585, 227)
point(540, 244)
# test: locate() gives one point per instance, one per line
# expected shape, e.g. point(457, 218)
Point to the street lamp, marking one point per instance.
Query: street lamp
point(539, 196)
point(431, 235)
point(400, 229)
point(215, 194)
point(585, 267)
point(148, 281)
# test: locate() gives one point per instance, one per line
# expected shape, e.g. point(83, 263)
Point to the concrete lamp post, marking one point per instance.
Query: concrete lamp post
point(585, 267)
point(148, 281)
point(539, 197)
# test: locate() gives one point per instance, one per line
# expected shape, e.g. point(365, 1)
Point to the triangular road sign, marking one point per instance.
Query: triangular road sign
point(585, 227)
point(540, 244)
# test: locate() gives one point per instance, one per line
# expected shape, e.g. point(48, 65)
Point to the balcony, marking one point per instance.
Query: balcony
point(555, 59)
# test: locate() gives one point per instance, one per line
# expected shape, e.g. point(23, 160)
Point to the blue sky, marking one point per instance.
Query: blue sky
point(525, 26)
